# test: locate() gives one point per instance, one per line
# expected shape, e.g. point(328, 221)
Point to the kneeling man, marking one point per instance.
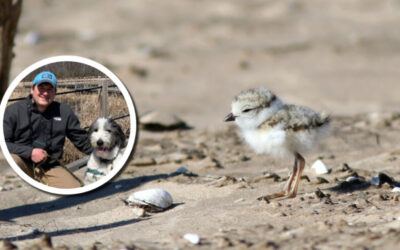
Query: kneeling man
point(35, 130)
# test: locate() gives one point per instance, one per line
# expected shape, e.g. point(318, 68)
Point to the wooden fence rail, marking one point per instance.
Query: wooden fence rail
point(62, 93)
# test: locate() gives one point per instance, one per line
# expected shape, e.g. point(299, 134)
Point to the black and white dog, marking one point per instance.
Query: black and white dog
point(107, 140)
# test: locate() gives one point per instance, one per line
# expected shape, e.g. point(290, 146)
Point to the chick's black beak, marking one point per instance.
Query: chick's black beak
point(229, 118)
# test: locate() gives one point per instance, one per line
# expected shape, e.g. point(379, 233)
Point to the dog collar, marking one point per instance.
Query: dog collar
point(95, 172)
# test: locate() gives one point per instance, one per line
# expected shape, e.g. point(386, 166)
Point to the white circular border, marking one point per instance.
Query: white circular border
point(128, 149)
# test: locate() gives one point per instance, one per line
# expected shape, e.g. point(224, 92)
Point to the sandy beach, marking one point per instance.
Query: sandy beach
point(190, 58)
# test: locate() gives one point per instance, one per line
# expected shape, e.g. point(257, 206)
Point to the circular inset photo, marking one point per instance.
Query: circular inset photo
point(68, 126)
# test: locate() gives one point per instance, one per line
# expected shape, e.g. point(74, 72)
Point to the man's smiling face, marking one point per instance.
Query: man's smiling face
point(43, 95)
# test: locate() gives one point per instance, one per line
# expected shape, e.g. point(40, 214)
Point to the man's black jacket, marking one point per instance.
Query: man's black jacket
point(26, 128)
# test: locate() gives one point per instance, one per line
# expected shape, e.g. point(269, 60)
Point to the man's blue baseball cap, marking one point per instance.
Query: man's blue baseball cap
point(45, 76)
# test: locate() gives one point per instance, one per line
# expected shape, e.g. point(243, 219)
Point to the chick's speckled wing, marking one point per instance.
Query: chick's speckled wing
point(295, 118)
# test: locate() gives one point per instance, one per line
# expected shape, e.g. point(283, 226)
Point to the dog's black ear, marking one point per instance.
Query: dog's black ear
point(124, 143)
point(120, 135)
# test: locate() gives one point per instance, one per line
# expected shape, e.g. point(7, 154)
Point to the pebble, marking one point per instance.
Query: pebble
point(376, 197)
point(276, 204)
point(305, 177)
point(192, 238)
point(291, 234)
point(345, 167)
point(283, 214)
point(32, 38)
point(375, 181)
point(182, 170)
point(35, 230)
point(320, 167)
point(320, 194)
point(272, 175)
point(159, 121)
point(321, 180)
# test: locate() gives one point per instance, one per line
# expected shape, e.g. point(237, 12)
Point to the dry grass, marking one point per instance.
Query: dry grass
point(86, 107)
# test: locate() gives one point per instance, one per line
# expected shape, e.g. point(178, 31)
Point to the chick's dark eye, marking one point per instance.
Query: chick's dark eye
point(247, 110)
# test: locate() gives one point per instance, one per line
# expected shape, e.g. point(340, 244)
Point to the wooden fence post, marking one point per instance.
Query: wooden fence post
point(103, 112)
point(10, 11)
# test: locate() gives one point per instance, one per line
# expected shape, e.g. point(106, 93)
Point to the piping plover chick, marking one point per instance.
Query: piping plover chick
point(281, 130)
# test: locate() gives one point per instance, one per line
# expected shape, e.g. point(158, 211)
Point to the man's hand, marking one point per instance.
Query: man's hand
point(38, 155)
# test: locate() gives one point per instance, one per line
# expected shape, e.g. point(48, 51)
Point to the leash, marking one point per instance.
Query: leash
point(39, 173)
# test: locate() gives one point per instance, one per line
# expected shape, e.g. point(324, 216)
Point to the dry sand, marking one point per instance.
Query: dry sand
point(339, 56)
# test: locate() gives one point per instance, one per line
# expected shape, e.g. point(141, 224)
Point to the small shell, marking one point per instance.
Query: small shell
point(154, 200)
point(320, 167)
point(351, 178)
point(192, 238)
point(396, 190)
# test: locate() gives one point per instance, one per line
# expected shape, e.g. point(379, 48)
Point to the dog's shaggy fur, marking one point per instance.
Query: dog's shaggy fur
point(107, 140)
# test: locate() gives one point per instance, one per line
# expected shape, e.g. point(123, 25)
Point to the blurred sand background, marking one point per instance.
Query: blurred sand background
point(190, 58)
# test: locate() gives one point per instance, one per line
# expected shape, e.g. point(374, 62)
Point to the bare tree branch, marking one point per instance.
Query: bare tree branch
point(10, 11)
